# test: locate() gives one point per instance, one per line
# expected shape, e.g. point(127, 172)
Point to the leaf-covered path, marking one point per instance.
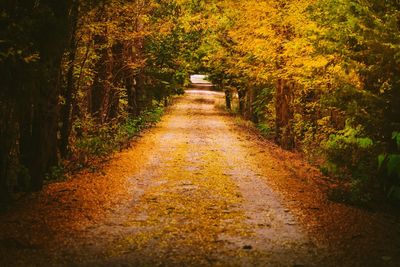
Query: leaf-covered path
point(193, 191)
point(200, 201)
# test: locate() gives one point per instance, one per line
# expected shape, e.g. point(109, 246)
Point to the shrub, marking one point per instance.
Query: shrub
point(389, 163)
point(349, 154)
point(100, 141)
point(347, 150)
point(265, 130)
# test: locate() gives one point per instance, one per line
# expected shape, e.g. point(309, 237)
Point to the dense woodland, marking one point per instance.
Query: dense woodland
point(80, 78)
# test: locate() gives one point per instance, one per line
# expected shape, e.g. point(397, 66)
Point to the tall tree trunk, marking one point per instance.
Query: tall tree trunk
point(129, 77)
point(141, 98)
point(242, 101)
point(8, 135)
point(100, 95)
point(43, 153)
point(228, 98)
point(131, 94)
point(284, 90)
point(284, 114)
point(251, 97)
point(70, 86)
point(118, 65)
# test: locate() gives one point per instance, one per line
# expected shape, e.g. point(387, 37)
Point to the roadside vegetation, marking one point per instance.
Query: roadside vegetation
point(319, 77)
point(80, 78)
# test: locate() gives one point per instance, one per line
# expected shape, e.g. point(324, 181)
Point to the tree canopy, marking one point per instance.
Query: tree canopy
point(321, 77)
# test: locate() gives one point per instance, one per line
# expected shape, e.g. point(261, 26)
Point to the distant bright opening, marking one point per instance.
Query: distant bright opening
point(199, 79)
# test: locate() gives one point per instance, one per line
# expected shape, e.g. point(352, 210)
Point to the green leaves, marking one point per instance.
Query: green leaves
point(349, 136)
point(396, 137)
point(391, 162)
point(381, 159)
point(365, 142)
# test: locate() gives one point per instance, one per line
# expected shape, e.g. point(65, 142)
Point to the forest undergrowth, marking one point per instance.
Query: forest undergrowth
point(336, 188)
point(196, 189)
point(320, 77)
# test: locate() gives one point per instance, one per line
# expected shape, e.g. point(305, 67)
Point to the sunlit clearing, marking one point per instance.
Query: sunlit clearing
point(204, 92)
point(199, 79)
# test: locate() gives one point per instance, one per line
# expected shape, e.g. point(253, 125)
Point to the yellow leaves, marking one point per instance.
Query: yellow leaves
point(339, 73)
point(138, 64)
point(269, 34)
point(166, 27)
point(355, 79)
point(308, 63)
point(189, 204)
point(31, 58)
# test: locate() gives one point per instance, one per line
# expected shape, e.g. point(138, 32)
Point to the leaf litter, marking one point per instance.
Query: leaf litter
point(192, 192)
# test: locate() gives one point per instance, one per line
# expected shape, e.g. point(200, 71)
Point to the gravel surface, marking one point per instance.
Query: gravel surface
point(196, 190)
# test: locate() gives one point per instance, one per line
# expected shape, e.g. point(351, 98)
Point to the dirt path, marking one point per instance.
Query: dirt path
point(191, 192)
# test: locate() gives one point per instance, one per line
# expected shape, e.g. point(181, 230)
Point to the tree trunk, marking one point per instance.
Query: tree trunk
point(242, 99)
point(70, 87)
point(141, 97)
point(45, 117)
point(228, 99)
point(284, 114)
point(131, 94)
point(101, 89)
point(251, 97)
point(117, 67)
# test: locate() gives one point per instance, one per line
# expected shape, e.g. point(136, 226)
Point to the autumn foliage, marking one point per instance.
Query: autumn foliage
point(79, 78)
point(321, 77)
